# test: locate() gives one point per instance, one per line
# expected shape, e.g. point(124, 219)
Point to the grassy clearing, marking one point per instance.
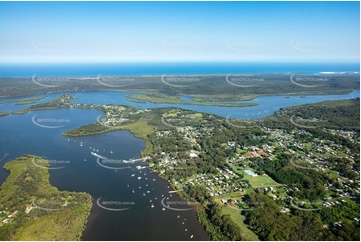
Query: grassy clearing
point(260, 181)
point(238, 218)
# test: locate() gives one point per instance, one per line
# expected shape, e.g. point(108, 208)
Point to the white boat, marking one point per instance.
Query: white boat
point(185, 229)
point(81, 143)
point(163, 209)
point(111, 151)
point(133, 191)
point(148, 191)
point(84, 159)
point(140, 167)
point(152, 205)
point(139, 177)
point(192, 236)
point(178, 216)
point(133, 174)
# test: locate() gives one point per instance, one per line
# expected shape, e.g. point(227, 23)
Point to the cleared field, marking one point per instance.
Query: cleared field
point(260, 181)
point(238, 218)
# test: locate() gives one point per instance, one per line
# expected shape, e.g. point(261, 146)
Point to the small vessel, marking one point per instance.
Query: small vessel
point(143, 194)
point(133, 191)
point(185, 229)
point(128, 185)
point(68, 139)
point(150, 200)
point(133, 174)
point(148, 191)
point(163, 209)
point(146, 185)
point(140, 187)
point(81, 143)
point(152, 205)
point(139, 177)
point(84, 159)
point(192, 236)
point(155, 198)
point(111, 152)
point(178, 216)
point(97, 150)
point(153, 179)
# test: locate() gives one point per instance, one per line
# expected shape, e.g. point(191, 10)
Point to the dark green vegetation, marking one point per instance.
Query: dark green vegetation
point(205, 87)
point(23, 101)
point(32, 209)
point(270, 224)
point(58, 102)
point(3, 113)
point(330, 140)
point(174, 99)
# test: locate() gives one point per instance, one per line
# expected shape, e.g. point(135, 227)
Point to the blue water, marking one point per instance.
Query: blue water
point(81, 173)
point(76, 69)
point(267, 105)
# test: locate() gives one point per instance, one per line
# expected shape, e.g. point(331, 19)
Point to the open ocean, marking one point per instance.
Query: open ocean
point(94, 69)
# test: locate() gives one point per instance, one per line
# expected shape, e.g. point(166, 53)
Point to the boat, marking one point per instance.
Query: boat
point(178, 216)
point(133, 174)
point(133, 191)
point(148, 191)
point(139, 177)
point(81, 143)
point(163, 209)
point(192, 236)
point(84, 159)
point(111, 152)
point(185, 229)
point(152, 205)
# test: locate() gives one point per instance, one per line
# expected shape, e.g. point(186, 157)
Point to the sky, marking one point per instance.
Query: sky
point(52, 32)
